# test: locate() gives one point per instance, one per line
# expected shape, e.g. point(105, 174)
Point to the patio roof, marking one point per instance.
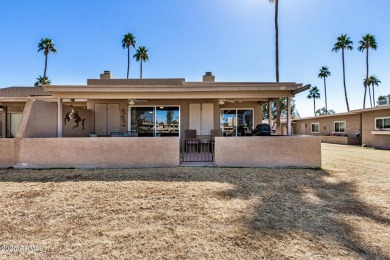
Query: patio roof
point(174, 89)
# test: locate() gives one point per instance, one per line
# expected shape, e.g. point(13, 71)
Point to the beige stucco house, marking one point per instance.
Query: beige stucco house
point(369, 126)
point(147, 123)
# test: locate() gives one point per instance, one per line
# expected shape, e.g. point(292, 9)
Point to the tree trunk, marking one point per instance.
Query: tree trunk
point(369, 94)
point(345, 87)
point(44, 72)
point(365, 94)
point(277, 39)
point(373, 94)
point(314, 99)
point(365, 91)
point(277, 102)
point(141, 70)
point(326, 101)
point(128, 62)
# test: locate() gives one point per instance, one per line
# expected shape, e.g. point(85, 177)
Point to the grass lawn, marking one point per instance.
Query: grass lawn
point(342, 211)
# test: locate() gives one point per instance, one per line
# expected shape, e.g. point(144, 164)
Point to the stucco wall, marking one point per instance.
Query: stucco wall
point(327, 125)
point(268, 151)
point(7, 152)
point(39, 120)
point(374, 140)
point(102, 152)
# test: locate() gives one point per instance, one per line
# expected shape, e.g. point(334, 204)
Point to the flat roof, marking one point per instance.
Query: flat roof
point(352, 112)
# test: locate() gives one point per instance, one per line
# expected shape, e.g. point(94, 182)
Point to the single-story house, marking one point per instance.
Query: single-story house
point(370, 126)
point(147, 123)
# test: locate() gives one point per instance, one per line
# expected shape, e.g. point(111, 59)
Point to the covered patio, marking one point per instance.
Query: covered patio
point(218, 114)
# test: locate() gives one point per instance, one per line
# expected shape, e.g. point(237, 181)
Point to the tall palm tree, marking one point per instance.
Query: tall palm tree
point(46, 45)
point(127, 42)
point(41, 81)
point(343, 42)
point(314, 94)
point(141, 55)
point(324, 73)
point(278, 101)
point(276, 37)
point(373, 81)
point(367, 42)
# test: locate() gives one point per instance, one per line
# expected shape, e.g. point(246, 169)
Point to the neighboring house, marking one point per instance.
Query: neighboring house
point(369, 126)
point(56, 119)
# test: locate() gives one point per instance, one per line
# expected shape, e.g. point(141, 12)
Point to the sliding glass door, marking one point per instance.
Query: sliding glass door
point(236, 122)
point(154, 121)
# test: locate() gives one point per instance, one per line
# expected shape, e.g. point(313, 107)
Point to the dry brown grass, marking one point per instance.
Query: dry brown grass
point(341, 212)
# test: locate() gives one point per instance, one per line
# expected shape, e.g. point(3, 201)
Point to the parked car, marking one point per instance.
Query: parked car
point(262, 130)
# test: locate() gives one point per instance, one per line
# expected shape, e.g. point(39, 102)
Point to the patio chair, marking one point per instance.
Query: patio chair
point(131, 134)
point(117, 134)
point(215, 133)
point(190, 140)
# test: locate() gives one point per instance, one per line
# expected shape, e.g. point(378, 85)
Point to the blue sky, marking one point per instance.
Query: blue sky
point(232, 38)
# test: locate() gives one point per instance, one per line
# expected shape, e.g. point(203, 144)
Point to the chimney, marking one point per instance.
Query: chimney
point(106, 75)
point(208, 77)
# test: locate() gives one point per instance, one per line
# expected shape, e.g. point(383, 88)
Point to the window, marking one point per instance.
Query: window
point(382, 123)
point(13, 120)
point(339, 126)
point(315, 127)
point(236, 122)
point(154, 121)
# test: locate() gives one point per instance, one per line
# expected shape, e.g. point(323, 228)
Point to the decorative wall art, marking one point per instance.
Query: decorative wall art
point(74, 115)
point(123, 117)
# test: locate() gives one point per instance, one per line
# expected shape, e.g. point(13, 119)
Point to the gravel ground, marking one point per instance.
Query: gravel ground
point(341, 211)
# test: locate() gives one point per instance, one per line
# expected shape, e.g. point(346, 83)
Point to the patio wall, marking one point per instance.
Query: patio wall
point(102, 152)
point(7, 152)
point(268, 151)
point(341, 140)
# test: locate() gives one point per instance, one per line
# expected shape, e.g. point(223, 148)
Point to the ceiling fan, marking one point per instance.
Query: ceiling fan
point(133, 101)
point(222, 101)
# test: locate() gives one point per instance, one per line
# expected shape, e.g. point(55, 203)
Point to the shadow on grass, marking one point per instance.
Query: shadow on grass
point(289, 200)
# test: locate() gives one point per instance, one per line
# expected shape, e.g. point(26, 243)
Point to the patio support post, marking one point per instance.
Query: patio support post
point(4, 119)
point(270, 113)
point(288, 115)
point(59, 118)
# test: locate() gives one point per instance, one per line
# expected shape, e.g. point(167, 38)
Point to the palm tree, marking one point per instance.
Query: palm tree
point(127, 42)
point(324, 111)
point(41, 81)
point(366, 83)
point(373, 81)
point(278, 101)
point(314, 94)
point(46, 45)
point(343, 42)
point(324, 73)
point(368, 41)
point(276, 38)
point(141, 55)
